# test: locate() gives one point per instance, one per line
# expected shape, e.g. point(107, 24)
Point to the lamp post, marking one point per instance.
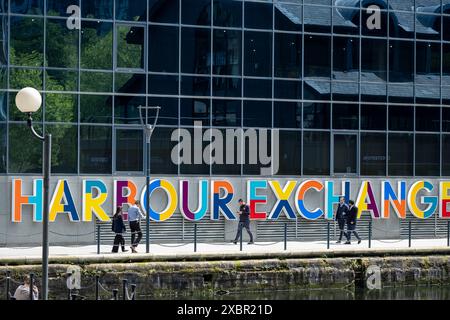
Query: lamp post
point(148, 130)
point(28, 101)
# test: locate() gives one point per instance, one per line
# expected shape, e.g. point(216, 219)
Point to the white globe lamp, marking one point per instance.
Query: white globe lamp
point(28, 100)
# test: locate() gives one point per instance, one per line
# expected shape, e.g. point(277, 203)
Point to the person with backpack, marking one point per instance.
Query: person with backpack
point(118, 227)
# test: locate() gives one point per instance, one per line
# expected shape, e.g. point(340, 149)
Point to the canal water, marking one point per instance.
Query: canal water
point(399, 293)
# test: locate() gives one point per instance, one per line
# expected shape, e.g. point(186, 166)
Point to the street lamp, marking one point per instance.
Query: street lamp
point(148, 128)
point(28, 101)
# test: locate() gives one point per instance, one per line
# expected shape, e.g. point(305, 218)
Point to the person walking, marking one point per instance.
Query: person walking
point(244, 222)
point(351, 222)
point(118, 227)
point(23, 291)
point(135, 213)
point(341, 212)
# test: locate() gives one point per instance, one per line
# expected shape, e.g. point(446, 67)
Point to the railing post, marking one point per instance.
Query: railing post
point(285, 236)
point(69, 295)
point(31, 285)
point(97, 280)
point(195, 238)
point(8, 284)
point(370, 234)
point(448, 233)
point(124, 289)
point(328, 235)
point(115, 294)
point(98, 239)
point(133, 292)
point(409, 233)
point(240, 235)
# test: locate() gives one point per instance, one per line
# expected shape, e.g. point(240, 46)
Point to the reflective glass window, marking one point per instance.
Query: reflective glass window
point(401, 61)
point(317, 56)
point(226, 113)
point(163, 49)
point(446, 155)
point(374, 59)
point(60, 7)
point(196, 86)
point(64, 148)
point(3, 153)
point(97, 9)
point(345, 153)
point(400, 156)
point(346, 116)
point(287, 115)
point(428, 119)
point(373, 154)
point(96, 81)
point(345, 58)
point(427, 155)
point(227, 87)
point(96, 45)
point(196, 49)
point(166, 11)
point(195, 110)
point(255, 88)
point(196, 12)
point(95, 108)
point(316, 153)
point(27, 6)
point(401, 118)
point(126, 109)
point(130, 47)
point(26, 41)
point(287, 89)
point(258, 15)
point(258, 114)
point(288, 55)
point(61, 107)
point(95, 150)
point(161, 148)
point(316, 115)
point(131, 10)
point(21, 139)
point(258, 54)
point(129, 150)
point(162, 84)
point(196, 163)
point(61, 45)
point(373, 117)
point(227, 52)
point(227, 13)
point(290, 153)
point(168, 114)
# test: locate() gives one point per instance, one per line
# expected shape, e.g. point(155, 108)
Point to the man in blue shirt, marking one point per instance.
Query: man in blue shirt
point(135, 213)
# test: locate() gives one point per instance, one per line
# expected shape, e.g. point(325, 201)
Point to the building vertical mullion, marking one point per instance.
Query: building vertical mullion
point(242, 86)
point(303, 89)
point(180, 4)
point(7, 84)
point(273, 90)
point(79, 94)
point(113, 128)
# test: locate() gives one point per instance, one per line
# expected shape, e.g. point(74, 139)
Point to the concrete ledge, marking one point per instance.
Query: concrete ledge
point(135, 258)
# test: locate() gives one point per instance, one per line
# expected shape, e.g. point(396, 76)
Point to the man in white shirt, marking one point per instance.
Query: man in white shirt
point(135, 213)
point(23, 291)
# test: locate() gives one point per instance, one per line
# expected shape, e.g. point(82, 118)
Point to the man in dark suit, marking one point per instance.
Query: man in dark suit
point(341, 213)
point(244, 221)
point(351, 222)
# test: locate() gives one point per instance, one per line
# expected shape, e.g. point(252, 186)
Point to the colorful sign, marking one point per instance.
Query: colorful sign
point(268, 199)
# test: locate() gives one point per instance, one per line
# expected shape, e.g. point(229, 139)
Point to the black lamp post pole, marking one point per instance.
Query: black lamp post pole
point(148, 129)
point(147, 217)
point(47, 139)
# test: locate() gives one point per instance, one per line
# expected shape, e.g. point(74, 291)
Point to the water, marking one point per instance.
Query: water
point(399, 293)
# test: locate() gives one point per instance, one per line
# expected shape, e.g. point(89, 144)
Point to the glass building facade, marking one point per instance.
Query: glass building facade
point(349, 97)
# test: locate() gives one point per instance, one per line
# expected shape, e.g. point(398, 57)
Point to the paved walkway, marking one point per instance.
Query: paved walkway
point(224, 248)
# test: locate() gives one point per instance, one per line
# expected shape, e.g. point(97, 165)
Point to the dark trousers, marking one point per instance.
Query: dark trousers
point(118, 241)
point(341, 224)
point(135, 228)
point(242, 225)
point(351, 228)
